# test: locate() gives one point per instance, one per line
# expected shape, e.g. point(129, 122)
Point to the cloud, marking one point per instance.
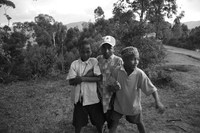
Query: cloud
point(191, 8)
point(67, 11)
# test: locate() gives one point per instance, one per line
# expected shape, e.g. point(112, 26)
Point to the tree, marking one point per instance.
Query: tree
point(59, 37)
point(44, 29)
point(123, 17)
point(152, 11)
point(44, 21)
point(149, 9)
point(194, 37)
point(177, 29)
point(185, 30)
point(6, 4)
point(99, 13)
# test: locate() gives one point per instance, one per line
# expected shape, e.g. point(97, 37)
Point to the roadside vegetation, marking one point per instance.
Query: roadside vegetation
point(46, 47)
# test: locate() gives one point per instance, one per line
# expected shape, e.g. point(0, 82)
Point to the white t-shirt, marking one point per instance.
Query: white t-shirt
point(88, 90)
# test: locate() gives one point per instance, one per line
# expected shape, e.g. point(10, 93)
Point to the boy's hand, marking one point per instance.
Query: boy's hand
point(78, 80)
point(160, 107)
point(114, 87)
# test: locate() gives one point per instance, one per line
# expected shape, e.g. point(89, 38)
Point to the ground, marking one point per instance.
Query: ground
point(44, 106)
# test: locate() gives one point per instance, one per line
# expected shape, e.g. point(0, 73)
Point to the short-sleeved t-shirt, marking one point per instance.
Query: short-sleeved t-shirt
point(106, 67)
point(128, 98)
point(88, 90)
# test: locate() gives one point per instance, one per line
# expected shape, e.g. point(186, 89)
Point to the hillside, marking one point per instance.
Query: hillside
point(192, 24)
point(79, 25)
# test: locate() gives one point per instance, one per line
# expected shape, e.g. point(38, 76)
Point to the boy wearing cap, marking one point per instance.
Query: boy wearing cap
point(107, 63)
point(128, 99)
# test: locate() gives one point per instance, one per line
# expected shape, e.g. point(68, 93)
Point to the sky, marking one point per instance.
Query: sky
point(68, 11)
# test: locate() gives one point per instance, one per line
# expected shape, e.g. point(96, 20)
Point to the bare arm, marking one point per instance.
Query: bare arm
point(91, 79)
point(75, 81)
point(158, 103)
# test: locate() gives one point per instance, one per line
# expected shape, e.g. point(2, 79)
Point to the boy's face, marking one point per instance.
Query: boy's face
point(106, 50)
point(130, 61)
point(85, 52)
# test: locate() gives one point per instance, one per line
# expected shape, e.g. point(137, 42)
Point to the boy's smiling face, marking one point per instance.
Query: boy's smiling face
point(130, 61)
point(85, 52)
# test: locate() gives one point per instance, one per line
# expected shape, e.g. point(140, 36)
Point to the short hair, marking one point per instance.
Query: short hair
point(82, 43)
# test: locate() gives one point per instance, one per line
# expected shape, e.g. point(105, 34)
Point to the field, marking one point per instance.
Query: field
point(44, 105)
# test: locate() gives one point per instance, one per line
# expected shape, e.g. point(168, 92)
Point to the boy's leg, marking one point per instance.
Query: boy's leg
point(96, 115)
point(141, 127)
point(137, 119)
point(115, 117)
point(113, 127)
point(77, 130)
point(80, 117)
point(108, 117)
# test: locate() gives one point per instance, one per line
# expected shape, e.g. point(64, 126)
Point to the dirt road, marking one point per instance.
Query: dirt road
point(179, 56)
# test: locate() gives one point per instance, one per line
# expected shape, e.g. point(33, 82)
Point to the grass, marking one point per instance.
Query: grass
point(44, 106)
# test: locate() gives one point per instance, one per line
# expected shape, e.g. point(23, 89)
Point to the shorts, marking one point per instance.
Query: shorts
point(135, 119)
point(81, 113)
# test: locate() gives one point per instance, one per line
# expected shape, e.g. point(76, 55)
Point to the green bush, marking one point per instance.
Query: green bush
point(151, 51)
point(40, 59)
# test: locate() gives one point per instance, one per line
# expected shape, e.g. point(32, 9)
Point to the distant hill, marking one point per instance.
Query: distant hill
point(192, 24)
point(79, 25)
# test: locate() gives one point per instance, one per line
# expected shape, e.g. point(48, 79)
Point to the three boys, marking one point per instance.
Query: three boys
point(128, 83)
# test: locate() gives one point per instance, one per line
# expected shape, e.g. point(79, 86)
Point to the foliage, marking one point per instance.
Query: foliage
point(187, 39)
point(40, 59)
point(11, 55)
point(149, 9)
point(98, 13)
point(6, 4)
point(54, 47)
point(194, 37)
point(151, 51)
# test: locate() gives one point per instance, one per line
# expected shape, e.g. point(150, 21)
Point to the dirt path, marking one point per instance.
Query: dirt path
point(182, 95)
point(44, 106)
point(179, 56)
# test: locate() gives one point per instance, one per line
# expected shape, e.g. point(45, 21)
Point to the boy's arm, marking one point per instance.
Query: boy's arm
point(90, 73)
point(72, 76)
point(91, 79)
point(94, 74)
point(158, 103)
point(75, 81)
point(114, 84)
point(90, 76)
point(79, 79)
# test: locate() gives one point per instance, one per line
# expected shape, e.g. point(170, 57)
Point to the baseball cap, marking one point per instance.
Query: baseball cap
point(108, 39)
point(130, 50)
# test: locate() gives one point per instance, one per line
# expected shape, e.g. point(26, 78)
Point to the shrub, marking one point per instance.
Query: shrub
point(151, 51)
point(40, 59)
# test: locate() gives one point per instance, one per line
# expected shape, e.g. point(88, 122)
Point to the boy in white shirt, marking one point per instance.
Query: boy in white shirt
point(84, 95)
